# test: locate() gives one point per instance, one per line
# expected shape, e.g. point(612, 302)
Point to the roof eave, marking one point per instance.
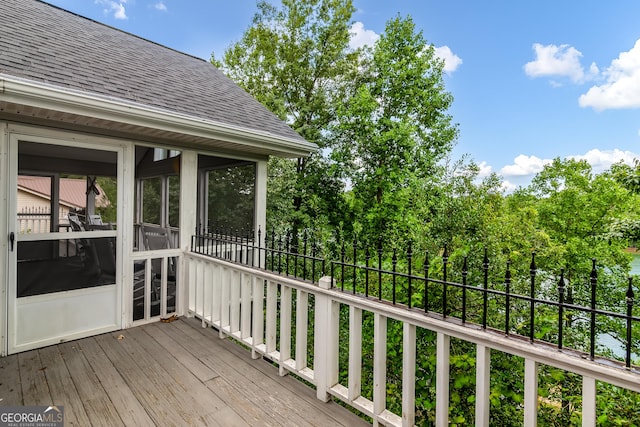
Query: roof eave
point(55, 98)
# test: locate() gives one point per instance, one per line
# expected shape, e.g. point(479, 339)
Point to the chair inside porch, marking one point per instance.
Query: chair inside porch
point(174, 373)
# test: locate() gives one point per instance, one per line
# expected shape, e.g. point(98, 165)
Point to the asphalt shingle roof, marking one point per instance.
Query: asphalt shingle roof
point(44, 43)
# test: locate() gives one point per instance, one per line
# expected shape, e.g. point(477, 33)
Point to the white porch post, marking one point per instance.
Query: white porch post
point(530, 393)
point(355, 353)
point(285, 327)
point(188, 217)
point(408, 374)
point(260, 208)
point(442, 380)
point(483, 382)
point(588, 402)
point(126, 187)
point(379, 366)
point(325, 362)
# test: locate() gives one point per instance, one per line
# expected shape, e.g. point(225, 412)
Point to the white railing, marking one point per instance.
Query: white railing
point(156, 284)
point(255, 307)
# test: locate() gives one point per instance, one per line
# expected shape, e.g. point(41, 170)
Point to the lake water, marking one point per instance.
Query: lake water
point(635, 264)
point(606, 339)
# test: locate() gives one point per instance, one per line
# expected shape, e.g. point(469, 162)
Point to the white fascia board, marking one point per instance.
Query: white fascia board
point(55, 98)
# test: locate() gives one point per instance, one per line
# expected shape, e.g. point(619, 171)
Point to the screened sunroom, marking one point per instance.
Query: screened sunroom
point(166, 138)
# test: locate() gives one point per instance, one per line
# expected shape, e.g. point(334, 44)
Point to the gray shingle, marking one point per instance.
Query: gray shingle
point(48, 44)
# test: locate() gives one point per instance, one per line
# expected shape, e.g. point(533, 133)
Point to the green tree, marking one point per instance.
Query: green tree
point(393, 128)
point(293, 59)
point(577, 209)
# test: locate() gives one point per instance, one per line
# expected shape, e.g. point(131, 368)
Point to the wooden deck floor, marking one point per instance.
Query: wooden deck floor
point(166, 374)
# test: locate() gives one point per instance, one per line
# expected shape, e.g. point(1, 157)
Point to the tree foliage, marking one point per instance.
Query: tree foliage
point(293, 59)
point(394, 128)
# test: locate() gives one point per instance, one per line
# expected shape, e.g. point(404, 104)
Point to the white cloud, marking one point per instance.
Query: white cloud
point(601, 160)
point(451, 60)
point(622, 86)
point(484, 169)
point(524, 165)
point(160, 6)
point(558, 61)
point(361, 37)
point(120, 13)
point(508, 187)
point(117, 7)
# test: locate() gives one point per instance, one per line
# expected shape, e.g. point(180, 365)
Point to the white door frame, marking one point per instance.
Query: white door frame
point(36, 321)
point(4, 241)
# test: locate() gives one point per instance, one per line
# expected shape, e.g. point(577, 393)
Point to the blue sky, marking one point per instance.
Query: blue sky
point(531, 80)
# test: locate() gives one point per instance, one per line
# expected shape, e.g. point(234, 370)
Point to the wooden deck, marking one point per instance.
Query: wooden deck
point(167, 374)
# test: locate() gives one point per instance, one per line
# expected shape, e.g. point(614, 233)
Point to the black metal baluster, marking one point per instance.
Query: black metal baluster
point(367, 257)
point(464, 290)
point(355, 257)
point(394, 263)
point(409, 262)
point(342, 256)
point(445, 260)
point(629, 323)
point(380, 269)
point(280, 254)
point(217, 242)
point(532, 305)
point(295, 248)
point(259, 247)
point(560, 308)
point(485, 269)
point(594, 282)
point(314, 250)
point(305, 240)
point(288, 249)
point(507, 282)
point(426, 281)
point(273, 247)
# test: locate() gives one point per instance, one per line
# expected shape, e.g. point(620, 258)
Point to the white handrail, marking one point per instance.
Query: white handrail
point(231, 297)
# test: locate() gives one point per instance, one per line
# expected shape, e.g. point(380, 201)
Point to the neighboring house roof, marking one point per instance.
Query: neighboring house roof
point(55, 48)
point(72, 191)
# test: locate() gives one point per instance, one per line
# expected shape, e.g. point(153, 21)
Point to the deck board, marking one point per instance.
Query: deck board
point(255, 387)
point(35, 390)
point(244, 386)
point(163, 374)
point(129, 408)
point(62, 388)
point(10, 385)
point(156, 397)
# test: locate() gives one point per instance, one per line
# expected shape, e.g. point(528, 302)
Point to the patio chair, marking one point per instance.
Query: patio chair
point(155, 237)
point(75, 222)
point(97, 253)
point(95, 219)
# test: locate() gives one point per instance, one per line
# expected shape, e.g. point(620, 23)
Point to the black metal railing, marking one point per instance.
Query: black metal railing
point(285, 253)
point(541, 306)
